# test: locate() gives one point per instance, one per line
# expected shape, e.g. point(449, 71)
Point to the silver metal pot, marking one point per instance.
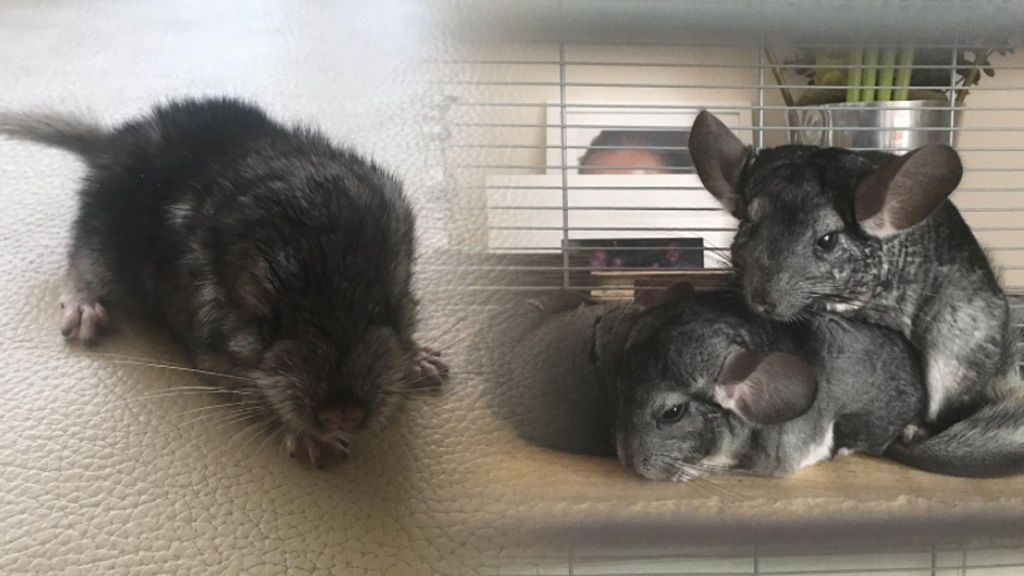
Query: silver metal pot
point(895, 126)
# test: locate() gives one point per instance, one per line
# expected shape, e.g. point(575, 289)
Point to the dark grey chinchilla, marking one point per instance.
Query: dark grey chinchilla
point(556, 353)
point(873, 237)
point(705, 387)
point(263, 247)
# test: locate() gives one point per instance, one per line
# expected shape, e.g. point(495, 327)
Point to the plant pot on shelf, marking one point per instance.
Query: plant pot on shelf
point(897, 126)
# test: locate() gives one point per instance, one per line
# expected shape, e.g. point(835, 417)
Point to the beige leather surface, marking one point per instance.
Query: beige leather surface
point(107, 465)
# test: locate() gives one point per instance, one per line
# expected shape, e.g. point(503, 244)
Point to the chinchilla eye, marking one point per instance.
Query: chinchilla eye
point(828, 241)
point(672, 414)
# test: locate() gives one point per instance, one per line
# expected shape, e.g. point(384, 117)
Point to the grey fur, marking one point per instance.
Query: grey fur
point(869, 389)
point(987, 444)
point(556, 354)
point(932, 282)
point(262, 245)
point(79, 135)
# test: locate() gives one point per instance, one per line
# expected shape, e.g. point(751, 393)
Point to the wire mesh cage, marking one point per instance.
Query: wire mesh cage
point(570, 158)
point(566, 155)
point(994, 560)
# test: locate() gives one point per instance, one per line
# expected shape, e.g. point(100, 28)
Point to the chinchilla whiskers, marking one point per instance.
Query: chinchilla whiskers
point(265, 428)
point(445, 331)
point(841, 321)
point(719, 254)
point(828, 296)
point(717, 257)
point(244, 398)
point(198, 391)
point(223, 419)
point(830, 293)
point(212, 373)
point(728, 470)
point(795, 318)
point(229, 415)
point(237, 404)
point(275, 433)
point(229, 419)
point(697, 477)
point(244, 415)
point(453, 343)
point(248, 429)
point(691, 469)
point(803, 316)
point(255, 422)
point(681, 474)
point(720, 258)
point(127, 357)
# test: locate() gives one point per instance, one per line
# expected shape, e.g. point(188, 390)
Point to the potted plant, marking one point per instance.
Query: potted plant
point(891, 98)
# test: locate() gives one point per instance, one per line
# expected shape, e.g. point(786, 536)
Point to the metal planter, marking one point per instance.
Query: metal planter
point(894, 126)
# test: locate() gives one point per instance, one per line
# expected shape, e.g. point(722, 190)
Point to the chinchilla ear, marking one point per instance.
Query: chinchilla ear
point(766, 388)
point(907, 189)
point(254, 284)
point(719, 157)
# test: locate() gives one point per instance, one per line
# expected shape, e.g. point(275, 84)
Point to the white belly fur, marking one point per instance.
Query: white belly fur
point(943, 376)
point(821, 451)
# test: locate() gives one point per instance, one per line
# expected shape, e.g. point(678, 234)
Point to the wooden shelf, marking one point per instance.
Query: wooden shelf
point(609, 285)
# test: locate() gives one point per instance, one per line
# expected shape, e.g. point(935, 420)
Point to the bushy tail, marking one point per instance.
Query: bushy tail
point(989, 443)
point(71, 133)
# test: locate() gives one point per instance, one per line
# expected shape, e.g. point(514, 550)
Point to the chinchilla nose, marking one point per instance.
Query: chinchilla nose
point(762, 304)
point(347, 418)
point(758, 296)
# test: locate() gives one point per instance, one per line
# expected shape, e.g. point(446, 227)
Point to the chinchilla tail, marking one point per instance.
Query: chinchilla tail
point(987, 444)
point(72, 133)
